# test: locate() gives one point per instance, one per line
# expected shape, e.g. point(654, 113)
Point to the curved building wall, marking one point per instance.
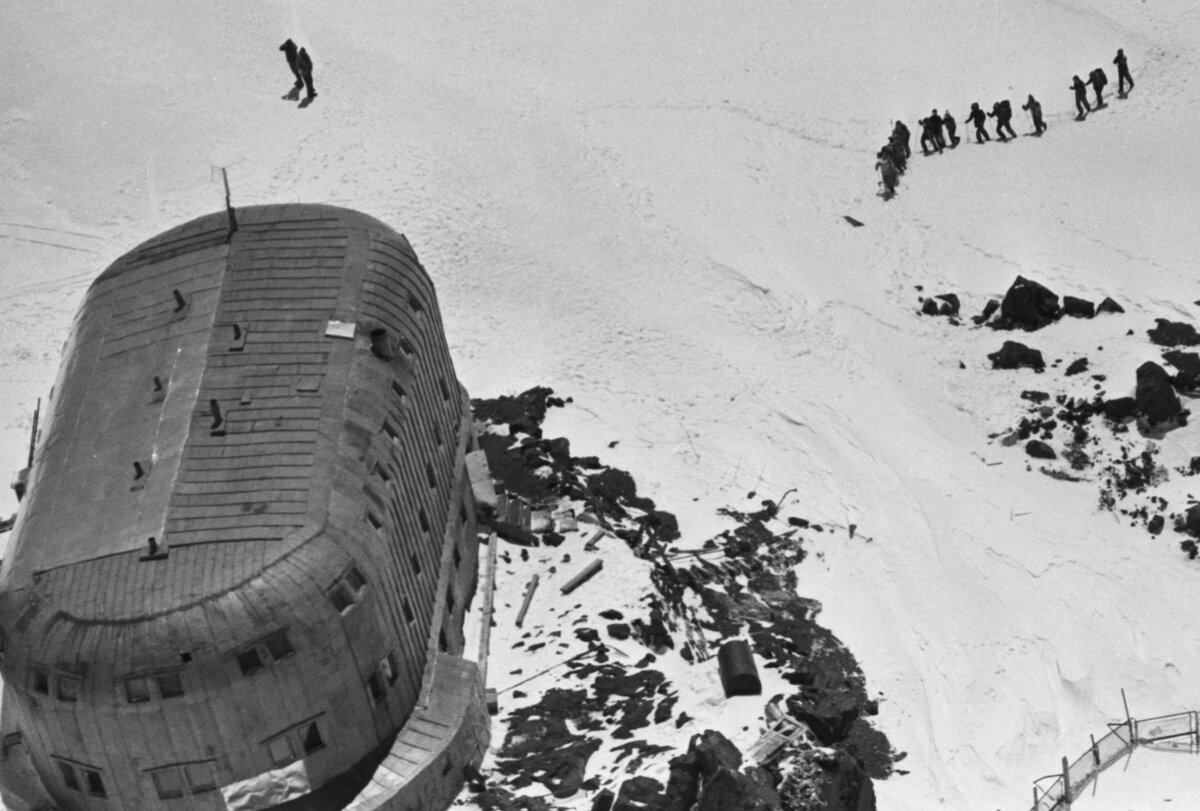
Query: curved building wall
point(278, 411)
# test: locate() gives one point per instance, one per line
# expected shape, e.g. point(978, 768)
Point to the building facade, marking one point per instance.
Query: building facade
point(248, 529)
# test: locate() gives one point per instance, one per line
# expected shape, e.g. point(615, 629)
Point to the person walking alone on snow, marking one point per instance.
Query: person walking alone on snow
point(1035, 110)
point(978, 117)
point(1122, 73)
point(1081, 102)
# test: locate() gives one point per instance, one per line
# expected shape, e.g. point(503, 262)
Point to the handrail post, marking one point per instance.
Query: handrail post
point(1066, 781)
point(1095, 751)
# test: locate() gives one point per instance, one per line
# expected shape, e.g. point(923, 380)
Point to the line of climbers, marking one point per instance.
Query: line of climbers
point(893, 157)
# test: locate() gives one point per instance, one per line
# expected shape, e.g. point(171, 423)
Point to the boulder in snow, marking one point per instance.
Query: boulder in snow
point(1014, 355)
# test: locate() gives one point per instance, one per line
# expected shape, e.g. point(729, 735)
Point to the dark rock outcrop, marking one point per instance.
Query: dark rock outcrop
point(1039, 450)
point(639, 794)
point(1155, 394)
point(1014, 355)
point(708, 778)
point(1119, 409)
point(1027, 305)
point(1077, 366)
point(988, 310)
point(1109, 306)
point(1187, 379)
point(1173, 333)
point(1078, 307)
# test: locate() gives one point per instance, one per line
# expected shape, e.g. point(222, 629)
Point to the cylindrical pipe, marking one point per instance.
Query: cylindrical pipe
point(584, 576)
point(529, 590)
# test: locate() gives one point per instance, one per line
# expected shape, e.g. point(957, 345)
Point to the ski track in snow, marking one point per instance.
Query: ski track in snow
point(642, 208)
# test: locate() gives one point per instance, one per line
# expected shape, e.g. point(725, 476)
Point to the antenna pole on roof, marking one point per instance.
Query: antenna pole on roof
point(228, 205)
point(33, 432)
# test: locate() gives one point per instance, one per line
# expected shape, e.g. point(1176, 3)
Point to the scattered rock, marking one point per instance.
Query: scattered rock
point(1119, 409)
point(1014, 355)
point(949, 305)
point(1027, 305)
point(1078, 308)
point(639, 794)
point(1109, 306)
point(988, 310)
point(1039, 450)
point(1156, 525)
point(1155, 394)
point(1187, 379)
point(619, 630)
point(1077, 367)
point(1173, 333)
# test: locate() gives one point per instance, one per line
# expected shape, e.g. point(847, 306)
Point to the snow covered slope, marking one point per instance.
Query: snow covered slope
point(641, 205)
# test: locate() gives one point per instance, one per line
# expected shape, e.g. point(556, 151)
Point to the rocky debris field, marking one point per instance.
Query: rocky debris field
point(620, 706)
point(1113, 442)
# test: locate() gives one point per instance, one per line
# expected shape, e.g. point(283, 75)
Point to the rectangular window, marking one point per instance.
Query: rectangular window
point(408, 612)
point(339, 595)
point(416, 562)
point(390, 668)
point(249, 661)
point(40, 681)
point(279, 646)
point(375, 687)
point(201, 776)
point(311, 739)
point(279, 749)
point(168, 783)
point(137, 690)
point(67, 688)
point(95, 783)
point(170, 685)
point(355, 580)
point(390, 432)
point(68, 775)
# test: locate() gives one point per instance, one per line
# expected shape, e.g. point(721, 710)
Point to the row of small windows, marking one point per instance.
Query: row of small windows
point(273, 648)
point(81, 778)
point(61, 686)
point(172, 782)
point(167, 685)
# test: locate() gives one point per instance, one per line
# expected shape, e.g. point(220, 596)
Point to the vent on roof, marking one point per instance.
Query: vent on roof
point(238, 343)
point(159, 392)
point(180, 301)
point(218, 424)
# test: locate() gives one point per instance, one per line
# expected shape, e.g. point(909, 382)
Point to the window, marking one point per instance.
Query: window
point(408, 612)
point(457, 556)
point(374, 521)
point(390, 432)
point(201, 776)
point(68, 688)
point(249, 661)
point(398, 390)
point(137, 690)
point(390, 670)
point(415, 303)
point(311, 739)
point(40, 681)
point(302, 739)
point(170, 685)
point(415, 561)
point(339, 595)
point(445, 389)
point(382, 473)
point(407, 346)
point(280, 750)
point(429, 475)
point(279, 646)
point(443, 644)
point(355, 580)
point(424, 519)
point(375, 687)
point(95, 783)
point(68, 775)
point(168, 783)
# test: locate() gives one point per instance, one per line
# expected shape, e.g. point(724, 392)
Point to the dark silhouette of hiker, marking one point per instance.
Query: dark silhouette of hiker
point(289, 50)
point(1098, 80)
point(1035, 110)
point(1002, 112)
point(935, 124)
point(305, 65)
point(978, 117)
point(1122, 73)
point(901, 133)
point(930, 138)
point(1081, 102)
point(951, 128)
point(893, 150)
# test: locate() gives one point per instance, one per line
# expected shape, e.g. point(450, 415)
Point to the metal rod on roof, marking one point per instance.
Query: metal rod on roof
point(229, 205)
point(33, 433)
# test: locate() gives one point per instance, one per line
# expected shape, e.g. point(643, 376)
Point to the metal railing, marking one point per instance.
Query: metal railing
point(1176, 732)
